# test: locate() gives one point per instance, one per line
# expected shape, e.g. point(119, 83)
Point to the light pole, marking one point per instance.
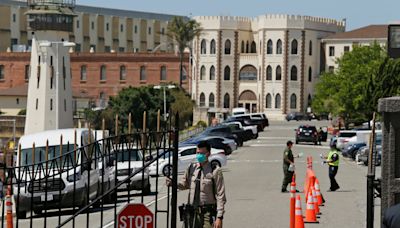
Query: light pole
point(165, 101)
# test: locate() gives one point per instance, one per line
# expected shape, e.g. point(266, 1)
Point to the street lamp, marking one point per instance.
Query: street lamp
point(165, 102)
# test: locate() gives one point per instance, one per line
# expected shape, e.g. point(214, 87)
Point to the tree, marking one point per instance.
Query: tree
point(184, 105)
point(364, 75)
point(183, 32)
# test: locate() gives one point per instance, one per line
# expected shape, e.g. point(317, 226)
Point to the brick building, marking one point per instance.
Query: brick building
point(95, 76)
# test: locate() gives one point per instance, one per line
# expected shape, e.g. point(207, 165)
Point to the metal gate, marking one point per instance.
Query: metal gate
point(84, 182)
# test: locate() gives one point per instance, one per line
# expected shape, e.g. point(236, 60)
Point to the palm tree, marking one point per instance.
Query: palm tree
point(183, 31)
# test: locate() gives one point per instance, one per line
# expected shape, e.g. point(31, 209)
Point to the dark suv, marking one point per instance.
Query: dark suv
point(307, 133)
point(297, 116)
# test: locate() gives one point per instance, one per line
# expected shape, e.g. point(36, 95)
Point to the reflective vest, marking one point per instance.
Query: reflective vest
point(331, 153)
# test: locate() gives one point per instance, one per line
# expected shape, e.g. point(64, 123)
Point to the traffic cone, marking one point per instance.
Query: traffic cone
point(9, 208)
point(310, 211)
point(299, 223)
point(318, 193)
point(315, 201)
point(292, 201)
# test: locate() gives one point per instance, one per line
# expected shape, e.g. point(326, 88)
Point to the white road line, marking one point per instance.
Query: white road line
point(264, 137)
point(282, 145)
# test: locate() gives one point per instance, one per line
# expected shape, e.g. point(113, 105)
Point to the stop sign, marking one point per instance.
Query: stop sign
point(135, 215)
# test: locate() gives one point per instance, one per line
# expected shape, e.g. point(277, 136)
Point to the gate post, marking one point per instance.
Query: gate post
point(390, 110)
point(174, 198)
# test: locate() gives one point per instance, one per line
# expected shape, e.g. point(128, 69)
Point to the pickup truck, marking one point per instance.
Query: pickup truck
point(250, 130)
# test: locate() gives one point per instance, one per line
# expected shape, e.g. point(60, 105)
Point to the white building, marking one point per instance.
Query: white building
point(337, 44)
point(266, 64)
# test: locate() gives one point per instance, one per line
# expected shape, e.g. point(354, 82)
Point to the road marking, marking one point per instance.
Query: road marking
point(264, 137)
point(282, 145)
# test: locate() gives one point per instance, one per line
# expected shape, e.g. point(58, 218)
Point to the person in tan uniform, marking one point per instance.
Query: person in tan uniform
point(206, 191)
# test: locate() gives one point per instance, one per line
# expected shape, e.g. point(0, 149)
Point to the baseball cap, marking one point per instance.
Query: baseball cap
point(289, 143)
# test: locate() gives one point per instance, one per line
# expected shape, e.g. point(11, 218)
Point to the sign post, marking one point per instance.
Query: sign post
point(135, 216)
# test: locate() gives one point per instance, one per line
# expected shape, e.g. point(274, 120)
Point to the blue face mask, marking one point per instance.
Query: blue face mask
point(201, 158)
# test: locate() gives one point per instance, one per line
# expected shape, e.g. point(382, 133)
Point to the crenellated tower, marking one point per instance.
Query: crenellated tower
point(49, 104)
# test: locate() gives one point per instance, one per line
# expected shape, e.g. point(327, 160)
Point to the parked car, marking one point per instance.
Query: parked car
point(224, 131)
point(363, 155)
point(218, 142)
point(238, 111)
point(307, 133)
point(260, 116)
point(343, 136)
point(297, 116)
point(127, 161)
point(252, 130)
point(351, 150)
point(186, 155)
point(246, 120)
point(237, 128)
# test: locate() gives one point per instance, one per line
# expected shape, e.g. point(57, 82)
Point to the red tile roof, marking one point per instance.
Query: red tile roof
point(367, 32)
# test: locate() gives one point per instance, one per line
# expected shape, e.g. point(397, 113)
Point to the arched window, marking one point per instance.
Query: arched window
point(253, 47)
point(122, 73)
point(247, 47)
point(212, 73)
point(310, 48)
point(309, 74)
point(293, 101)
point(278, 73)
point(279, 47)
point(163, 73)
point(227, 47)
point(203, 47)
point(278, 101)
point(269, 73)
point(268, 101)
point(202, 73)
point(242, 47)
point(248, 73)
point(226, 100)
point(294, 47)
point(103, 75)
point(211, 101)
point(212, 47)
point(269, 47)
point(293, 73)
point(202, 100)
point(227, 73)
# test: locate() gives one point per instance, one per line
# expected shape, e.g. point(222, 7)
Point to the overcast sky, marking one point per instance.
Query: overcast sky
point(357, 12)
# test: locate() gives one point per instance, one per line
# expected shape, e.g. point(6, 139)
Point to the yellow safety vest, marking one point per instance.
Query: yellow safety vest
point(331, 153)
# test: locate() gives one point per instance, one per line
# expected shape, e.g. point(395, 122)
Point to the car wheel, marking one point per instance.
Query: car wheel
point(147, 189)
point(316, 143)
point(21, 214)
point(297, 142)
point(167, 170)
point(215, 163)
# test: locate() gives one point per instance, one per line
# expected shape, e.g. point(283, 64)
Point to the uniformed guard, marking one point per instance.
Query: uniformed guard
point(206, 198)
point(288, 165)
point(333, 161)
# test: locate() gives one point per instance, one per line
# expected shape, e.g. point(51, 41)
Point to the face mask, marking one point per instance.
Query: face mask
point(201, 158)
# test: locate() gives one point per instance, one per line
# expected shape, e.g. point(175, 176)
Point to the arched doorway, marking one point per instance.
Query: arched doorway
point(248, 100)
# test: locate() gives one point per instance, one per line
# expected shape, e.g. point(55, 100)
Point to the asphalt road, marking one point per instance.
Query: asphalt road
point(253, 179)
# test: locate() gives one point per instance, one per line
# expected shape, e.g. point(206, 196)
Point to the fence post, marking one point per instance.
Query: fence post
point(174, 198)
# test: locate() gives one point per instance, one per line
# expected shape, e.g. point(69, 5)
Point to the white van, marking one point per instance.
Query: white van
point(62, 177)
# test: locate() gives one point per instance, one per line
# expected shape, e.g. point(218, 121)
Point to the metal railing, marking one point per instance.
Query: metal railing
point(86, 182)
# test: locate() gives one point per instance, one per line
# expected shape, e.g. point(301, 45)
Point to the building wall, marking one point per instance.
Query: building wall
point(260, 30)
point(85, 35)
point(15, 66)
point(339, 46)
point(11, 105)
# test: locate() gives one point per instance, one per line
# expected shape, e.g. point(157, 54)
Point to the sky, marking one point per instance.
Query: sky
point(358, 13)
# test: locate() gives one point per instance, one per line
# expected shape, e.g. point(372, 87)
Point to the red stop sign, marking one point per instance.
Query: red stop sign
point(135, 215)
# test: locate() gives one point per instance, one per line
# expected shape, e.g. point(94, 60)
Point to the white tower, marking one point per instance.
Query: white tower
point(49, 103)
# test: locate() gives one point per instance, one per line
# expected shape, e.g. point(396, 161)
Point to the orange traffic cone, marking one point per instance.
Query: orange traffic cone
point(299, 223)
point(9, 214)
point(318, 193)
point(310, 211)
point(315, 201)
point(292, 201)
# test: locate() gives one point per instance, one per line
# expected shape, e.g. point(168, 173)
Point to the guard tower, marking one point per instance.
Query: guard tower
point(49, 104)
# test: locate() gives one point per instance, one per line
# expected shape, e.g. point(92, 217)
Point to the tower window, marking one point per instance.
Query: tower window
point(51, 104)
point(1, 72)
point(37, 103)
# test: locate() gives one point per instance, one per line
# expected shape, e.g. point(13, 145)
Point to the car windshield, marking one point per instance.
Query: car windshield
point(347, 134)
point(129, 155)
point(52, 151)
